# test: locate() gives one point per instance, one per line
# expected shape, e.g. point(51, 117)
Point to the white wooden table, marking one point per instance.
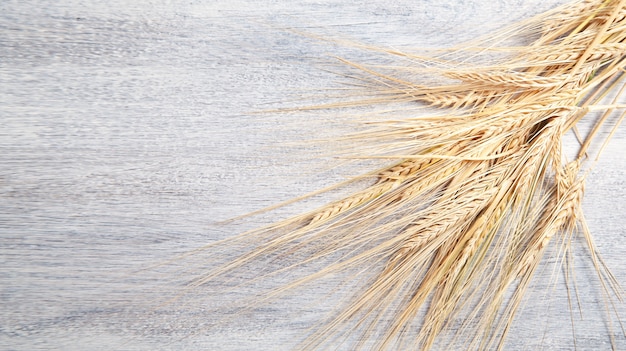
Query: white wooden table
point(127, 135)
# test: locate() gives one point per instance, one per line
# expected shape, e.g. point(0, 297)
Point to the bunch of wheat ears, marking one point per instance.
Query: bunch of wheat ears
point(456, 228)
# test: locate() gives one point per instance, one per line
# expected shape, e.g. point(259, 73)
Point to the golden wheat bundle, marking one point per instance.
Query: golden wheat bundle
point(456, 226)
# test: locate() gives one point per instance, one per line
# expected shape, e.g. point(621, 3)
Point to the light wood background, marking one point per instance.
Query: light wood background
point(127, 134)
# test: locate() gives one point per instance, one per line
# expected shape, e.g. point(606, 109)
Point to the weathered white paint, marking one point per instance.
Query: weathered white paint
point(126, 137)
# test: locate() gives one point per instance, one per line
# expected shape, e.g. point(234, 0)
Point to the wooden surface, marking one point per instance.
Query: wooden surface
point(127, 136)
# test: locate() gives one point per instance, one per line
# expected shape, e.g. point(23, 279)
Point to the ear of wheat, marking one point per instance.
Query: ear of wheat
point(456, 227)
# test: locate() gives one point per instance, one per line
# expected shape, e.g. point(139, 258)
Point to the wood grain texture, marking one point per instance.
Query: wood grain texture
point(127, 134)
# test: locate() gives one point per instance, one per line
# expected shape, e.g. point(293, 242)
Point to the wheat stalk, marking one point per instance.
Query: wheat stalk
point(477, 193)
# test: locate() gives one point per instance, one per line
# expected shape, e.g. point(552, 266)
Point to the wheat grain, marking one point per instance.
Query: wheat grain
point(507, 79)
point(469, 186)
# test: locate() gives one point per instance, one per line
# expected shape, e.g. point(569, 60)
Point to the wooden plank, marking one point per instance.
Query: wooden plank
point(128, 136)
